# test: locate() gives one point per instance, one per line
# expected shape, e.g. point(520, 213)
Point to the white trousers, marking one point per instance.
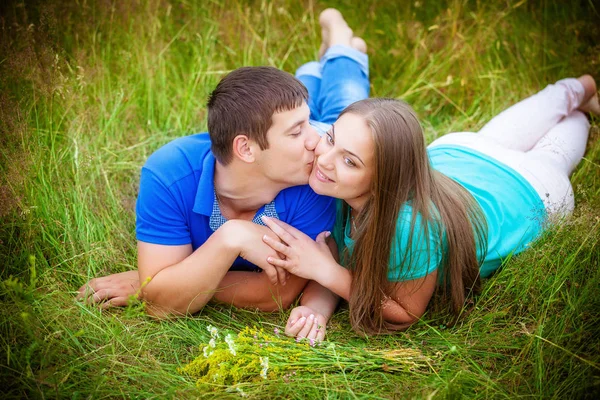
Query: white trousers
point(543, 138)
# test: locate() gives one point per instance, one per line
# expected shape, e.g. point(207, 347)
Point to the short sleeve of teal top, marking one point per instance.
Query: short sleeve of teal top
point(513, 211)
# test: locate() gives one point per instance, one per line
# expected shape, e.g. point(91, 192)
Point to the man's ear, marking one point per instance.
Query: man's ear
point(244, 148)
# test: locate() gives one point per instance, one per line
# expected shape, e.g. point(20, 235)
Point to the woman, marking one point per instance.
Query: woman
point(414, 219)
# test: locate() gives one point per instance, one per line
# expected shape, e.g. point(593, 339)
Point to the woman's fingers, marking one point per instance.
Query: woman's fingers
point(276, 245)
point(280, 231)
point(307, 327)
point(295, 327)
point(301, 326)
point(321, 330)
point(321, 333)
point(321, 237)
point(278, 263)
point(314, 330)
point(281, 275)
point(293, 232)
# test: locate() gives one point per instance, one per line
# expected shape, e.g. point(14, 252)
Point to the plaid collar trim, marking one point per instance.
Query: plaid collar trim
point(217, 219)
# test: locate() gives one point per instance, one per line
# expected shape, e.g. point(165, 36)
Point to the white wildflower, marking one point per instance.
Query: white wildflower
point(264, 362)
point(212, 343)
point(231, 344)
point(206, 352)
point(214, 332)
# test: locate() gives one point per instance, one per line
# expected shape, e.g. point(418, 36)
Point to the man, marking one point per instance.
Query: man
point(201, 199)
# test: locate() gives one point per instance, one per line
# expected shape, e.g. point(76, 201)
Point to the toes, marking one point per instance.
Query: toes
point(358, 44)
point(592, 106)
point(335, 31)
point(589, 87)
point(331, 16)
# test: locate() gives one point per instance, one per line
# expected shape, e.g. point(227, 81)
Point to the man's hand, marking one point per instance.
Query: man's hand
point(111, 290)
point(306, 323)
point(248, 236)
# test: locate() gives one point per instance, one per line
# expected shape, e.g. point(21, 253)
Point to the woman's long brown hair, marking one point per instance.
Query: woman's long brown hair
point(403, 175)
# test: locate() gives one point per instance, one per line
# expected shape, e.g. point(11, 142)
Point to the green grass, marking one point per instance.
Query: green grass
point(89, 89)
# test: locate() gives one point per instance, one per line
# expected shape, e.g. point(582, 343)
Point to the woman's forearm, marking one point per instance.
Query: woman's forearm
point(337, 279)
point(395, 314)
point(320, 299)
point(409, 301)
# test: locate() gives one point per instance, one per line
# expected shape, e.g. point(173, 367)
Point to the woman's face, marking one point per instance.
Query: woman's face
point(344, 159)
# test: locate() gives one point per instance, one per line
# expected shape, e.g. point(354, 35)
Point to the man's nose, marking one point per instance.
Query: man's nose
point(312, 139)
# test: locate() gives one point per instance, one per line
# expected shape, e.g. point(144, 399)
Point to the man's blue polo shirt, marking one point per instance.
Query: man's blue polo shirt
point(177, 204)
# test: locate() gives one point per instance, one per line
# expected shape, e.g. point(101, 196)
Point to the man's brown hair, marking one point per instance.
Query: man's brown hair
point(243, 103)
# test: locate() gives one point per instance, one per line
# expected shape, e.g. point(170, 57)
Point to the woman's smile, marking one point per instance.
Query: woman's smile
point(320, 175)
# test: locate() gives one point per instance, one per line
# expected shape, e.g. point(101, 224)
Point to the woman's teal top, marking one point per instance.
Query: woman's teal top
point(513, 210)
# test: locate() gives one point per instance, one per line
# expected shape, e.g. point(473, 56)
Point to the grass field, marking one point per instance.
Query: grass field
point(89, 89)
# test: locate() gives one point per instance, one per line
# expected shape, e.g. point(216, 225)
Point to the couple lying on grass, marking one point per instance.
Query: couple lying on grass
point(214, 209)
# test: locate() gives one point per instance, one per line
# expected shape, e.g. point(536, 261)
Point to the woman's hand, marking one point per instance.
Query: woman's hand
point(304, 257)
point(306, 323)
point(246, 238)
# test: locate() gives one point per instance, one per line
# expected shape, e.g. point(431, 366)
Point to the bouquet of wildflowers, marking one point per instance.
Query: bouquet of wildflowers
point(255, 355)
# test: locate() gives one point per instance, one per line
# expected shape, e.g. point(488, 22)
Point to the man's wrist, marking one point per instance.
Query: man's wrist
point(230, 236)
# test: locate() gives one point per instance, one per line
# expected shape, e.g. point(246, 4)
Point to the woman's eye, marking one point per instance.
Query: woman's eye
point(329, 138)
point(349, 162)
point(296, 133)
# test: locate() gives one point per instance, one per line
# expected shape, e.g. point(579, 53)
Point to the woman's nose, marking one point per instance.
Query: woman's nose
point(324, 155)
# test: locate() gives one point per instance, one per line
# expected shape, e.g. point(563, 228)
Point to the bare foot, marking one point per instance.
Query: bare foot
point(324, 42)
point(590, 102)
point(359, 44)
point(331, 16)
point(334, 30)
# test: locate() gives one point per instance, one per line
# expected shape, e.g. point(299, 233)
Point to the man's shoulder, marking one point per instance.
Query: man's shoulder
point(306, 210)
point(296, 193)
point(303, 198)
point(179, 158)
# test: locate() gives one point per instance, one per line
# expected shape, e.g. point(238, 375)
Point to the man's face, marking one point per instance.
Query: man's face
point(292, 142)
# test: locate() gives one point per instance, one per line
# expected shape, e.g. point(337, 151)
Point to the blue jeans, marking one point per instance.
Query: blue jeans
point(339, 79)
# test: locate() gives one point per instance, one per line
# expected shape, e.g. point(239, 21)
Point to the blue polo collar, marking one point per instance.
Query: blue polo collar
point(207, 205)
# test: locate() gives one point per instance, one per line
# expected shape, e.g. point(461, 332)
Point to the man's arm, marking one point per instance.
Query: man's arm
point(238, 288)
point(182, 282)
point(174, 279)
point(177, 281)
point(254, 290)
